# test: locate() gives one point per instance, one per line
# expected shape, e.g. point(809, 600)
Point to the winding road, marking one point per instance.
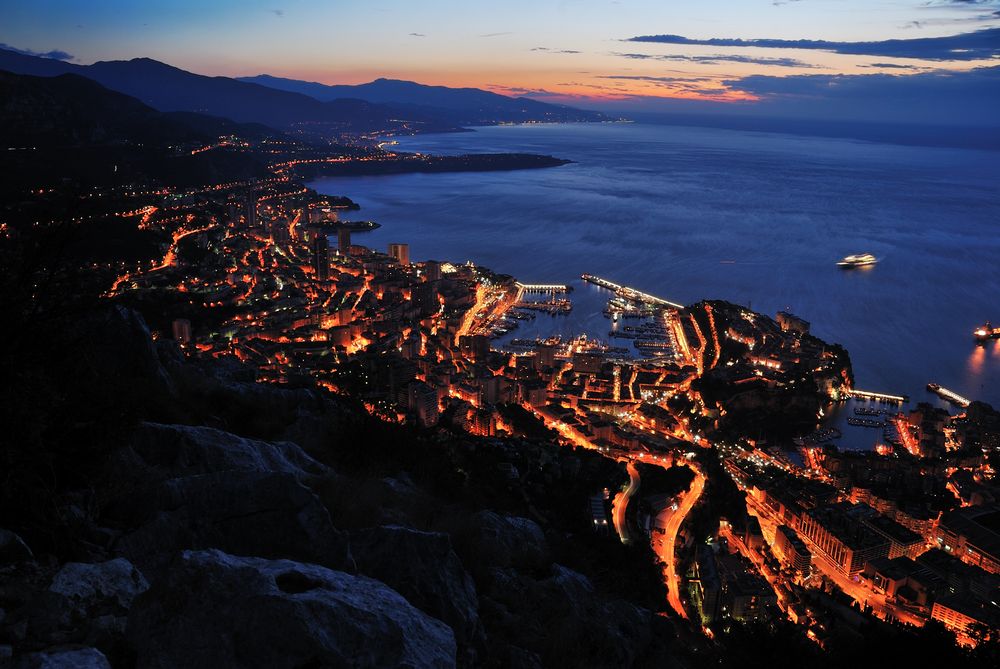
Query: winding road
point(620, 503)
point(664, 545)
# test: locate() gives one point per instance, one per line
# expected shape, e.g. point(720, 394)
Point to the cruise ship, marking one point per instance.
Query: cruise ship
point(860, 260)
point(985, 332)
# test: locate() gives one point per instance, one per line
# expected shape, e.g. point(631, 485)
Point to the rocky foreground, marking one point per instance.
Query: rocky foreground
point(216, 522)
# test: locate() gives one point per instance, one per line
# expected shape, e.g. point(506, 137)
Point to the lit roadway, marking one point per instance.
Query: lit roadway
point(664, 545)
point(620, 503)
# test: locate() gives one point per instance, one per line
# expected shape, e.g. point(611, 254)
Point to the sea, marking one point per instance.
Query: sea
point(759, 219)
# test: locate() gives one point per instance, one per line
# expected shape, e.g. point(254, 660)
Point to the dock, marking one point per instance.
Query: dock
point(949, 395)
point(543, 287)
point(551, 307)
point(630, 293)
point(878, 397)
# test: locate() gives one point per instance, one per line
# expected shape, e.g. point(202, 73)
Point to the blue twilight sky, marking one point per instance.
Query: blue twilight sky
point(860, 58)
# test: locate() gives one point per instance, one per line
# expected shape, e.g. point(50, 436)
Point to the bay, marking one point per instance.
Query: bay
point(755, 218)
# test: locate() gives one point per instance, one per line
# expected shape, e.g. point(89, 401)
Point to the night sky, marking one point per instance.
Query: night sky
point(881, 54)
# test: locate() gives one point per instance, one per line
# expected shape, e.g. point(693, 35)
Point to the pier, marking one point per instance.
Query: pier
point(949, 395)
point(543, 287)
point(878, 397)
point(629, 293)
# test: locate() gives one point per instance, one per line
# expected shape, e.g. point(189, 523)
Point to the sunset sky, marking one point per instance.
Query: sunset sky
point(577, 51)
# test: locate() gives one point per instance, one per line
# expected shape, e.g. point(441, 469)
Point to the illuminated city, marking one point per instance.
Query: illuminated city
point(257, 418)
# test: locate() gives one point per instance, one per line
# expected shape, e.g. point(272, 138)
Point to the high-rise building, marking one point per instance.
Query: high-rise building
point(321, 257)
point(790, 547)
point(181, 328)
point(423, 400)
point(250, 209)
point(233, 213)
point(837, 531)
point(401, 252)
point(344, 241)
point(475, 346)
point(432, 270)
point(545, 356)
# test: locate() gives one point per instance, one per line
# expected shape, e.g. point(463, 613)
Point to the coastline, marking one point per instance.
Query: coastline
point(414, 163)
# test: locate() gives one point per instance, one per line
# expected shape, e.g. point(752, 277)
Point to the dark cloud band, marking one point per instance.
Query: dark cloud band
point(967, 46)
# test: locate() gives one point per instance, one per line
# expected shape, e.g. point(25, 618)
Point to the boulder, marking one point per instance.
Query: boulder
point(159, 452)
point(564, 621)
point(83, 603)
point(12, 548)
point(215, 610)
point(244, 513)
point(65, 658)
point(107, 585)
point(120, 349)
point(422, 567)
point(493, 541)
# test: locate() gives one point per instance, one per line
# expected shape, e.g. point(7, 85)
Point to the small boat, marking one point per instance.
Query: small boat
point(860, 260)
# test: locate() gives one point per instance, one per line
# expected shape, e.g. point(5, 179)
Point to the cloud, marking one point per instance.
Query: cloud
point(892, 66)
point(496, 34)
point(961, 3)
point(522, 90)
point(55, 54)
point(417, 35)
point(707, 88)
point(547, 49)
point(663, 80)
point(966, 46)
point(719, 58)
point(280, 13)
point(938, 97)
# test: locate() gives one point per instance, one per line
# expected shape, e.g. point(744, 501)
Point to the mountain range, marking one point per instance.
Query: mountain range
point(467, 106)
point(304, 107)
point(69, 110)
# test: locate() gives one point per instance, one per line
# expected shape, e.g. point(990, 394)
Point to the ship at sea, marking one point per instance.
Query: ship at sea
point(860, 260)
point(986, 332)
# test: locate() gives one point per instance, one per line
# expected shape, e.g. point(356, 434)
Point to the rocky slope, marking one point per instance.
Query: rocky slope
point(224, 523)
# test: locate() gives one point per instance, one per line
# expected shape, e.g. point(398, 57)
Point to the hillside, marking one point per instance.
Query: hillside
point(382, 107)
point(469, 106)
point(70, 110)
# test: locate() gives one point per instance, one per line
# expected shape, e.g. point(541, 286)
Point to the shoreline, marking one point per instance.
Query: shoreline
point(416, 163)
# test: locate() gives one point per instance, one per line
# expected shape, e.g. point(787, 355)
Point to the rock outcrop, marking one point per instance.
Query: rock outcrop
point(563, 621)
point(12, 548)
point(160, 452)
point(105, 588)
point(422, 567)
point(490, 540)
point(245, 513)
point(64, 658)
point(215, 610)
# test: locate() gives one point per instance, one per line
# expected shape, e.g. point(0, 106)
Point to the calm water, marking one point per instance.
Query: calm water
point(754, 218)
